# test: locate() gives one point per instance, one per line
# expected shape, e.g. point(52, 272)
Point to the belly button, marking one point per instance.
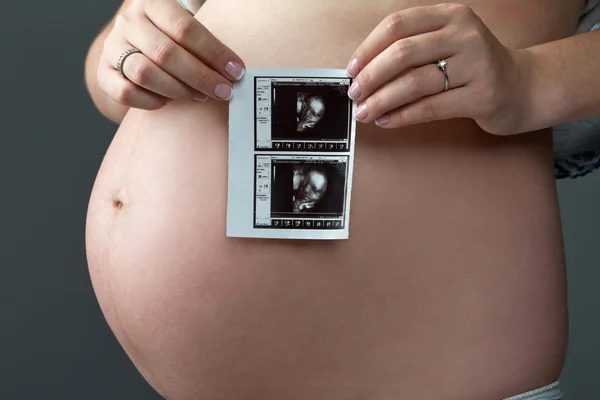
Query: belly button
point(118, 198)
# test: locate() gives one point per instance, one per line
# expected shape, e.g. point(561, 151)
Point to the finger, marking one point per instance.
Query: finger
point(403, 54)
point(177, 61)
point(447, 105)
point(143, 72)
point(410, 87)
point(403, 24)
point(190, 34)
point(126, 92)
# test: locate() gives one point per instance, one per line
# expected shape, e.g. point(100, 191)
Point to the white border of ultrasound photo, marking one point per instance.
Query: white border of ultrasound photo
point(243, 177)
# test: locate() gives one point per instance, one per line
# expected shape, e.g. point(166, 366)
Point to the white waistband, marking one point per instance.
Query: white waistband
point(550, 392)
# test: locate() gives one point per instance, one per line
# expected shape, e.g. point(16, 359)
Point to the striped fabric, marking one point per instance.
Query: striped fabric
point(577, 144)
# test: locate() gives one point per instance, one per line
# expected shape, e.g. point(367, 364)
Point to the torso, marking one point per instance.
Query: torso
point(452, 282)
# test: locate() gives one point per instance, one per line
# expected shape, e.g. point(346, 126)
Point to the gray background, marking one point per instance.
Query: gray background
point(54, 342)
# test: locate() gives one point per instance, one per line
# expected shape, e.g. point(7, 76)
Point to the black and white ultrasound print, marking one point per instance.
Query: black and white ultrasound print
point(284, 179)
point(310, 111)
point(312, 189)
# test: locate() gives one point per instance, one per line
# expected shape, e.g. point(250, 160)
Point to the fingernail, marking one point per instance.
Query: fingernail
point(353, 68)
point(235, 70)
point(383, 120)
point(200, 97)
point(354, 92)
point(361, 112)
point(223, 92)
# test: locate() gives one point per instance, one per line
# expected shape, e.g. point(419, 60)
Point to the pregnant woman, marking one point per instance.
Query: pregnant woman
point(452, 284)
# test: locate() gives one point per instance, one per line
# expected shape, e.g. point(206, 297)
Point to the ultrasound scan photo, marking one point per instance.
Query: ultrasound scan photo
point(315, 189)
point(291, 154)
point(310, 112)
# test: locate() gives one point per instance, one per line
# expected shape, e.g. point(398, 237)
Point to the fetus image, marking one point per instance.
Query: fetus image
point(310, 185)
point(309, 111)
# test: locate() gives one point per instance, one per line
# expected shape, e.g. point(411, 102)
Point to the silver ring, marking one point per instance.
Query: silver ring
point(122, 58)
point(442, 65)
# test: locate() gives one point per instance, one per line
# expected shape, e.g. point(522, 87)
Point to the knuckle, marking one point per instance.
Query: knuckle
point(471, 37)
point(429, 111)
point(183, 29)
point(365, 80)
point(140, 73)
point(375, 105)
point(148, 5)
point(155, 104)
point(402, 117)
point(121, 20)
point(186, 94)
point(403, 48)
point(460, 11)
point(440, 38)
point(445, 8)
point(215, 54)
point(163, 52)
point(414, 83)
point(393, 24)
point(101, 78)
point(124, 93)
point(201, 82)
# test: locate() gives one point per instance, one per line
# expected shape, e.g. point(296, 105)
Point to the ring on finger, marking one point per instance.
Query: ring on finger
point(443, 66)
point(123, 57)
point(409, 88)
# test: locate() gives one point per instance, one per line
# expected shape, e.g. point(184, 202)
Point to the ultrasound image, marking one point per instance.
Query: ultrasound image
point(321, 112)
point(309, 111)
point(308, 188)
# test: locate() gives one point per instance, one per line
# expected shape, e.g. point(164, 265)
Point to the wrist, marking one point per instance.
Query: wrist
point(541, 97)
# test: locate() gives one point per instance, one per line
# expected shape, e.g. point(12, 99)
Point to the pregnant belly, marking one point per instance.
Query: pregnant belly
point(451, 285)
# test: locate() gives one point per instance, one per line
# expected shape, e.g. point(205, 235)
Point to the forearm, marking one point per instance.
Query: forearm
point(564, 80)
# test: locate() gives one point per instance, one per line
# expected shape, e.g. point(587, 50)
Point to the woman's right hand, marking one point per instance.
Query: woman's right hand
point(179, 58)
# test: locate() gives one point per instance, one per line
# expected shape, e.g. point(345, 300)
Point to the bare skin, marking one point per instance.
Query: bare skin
point(452, 285)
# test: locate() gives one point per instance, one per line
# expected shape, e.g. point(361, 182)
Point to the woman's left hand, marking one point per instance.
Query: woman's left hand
point(398, 82)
